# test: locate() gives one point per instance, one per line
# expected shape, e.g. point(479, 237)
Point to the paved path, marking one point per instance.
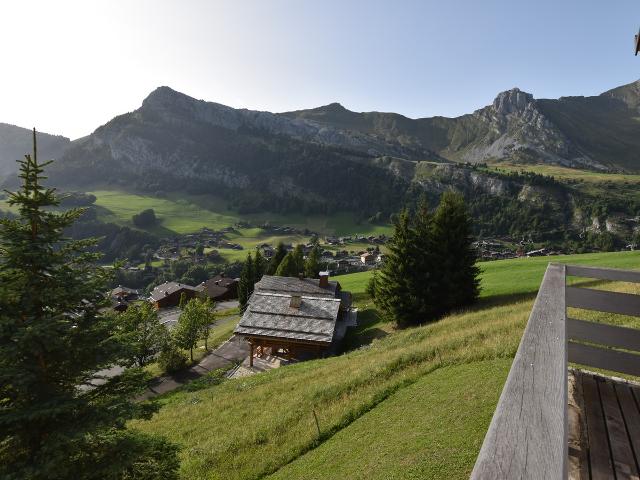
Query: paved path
point(234, 350)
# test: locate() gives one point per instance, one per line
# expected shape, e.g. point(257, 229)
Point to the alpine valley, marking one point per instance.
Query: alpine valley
point(558, 170)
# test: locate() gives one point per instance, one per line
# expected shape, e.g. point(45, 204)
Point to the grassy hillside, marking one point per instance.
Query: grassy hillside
point(517, 276)
point(188, 213)
point(413, 404)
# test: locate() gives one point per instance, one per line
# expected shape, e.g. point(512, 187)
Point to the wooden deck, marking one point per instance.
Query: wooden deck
point(606, 432)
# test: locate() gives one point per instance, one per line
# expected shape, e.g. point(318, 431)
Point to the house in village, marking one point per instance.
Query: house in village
point(169, 293)
point(298, 318)
point(219, 288)
point(122, 297)
point(367, 258)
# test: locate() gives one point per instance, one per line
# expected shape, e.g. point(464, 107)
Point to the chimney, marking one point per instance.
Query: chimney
point(324, 280)
point(296, 301)
point(301, 276)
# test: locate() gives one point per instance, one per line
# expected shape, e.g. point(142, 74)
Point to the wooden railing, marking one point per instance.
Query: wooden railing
point(527, 437)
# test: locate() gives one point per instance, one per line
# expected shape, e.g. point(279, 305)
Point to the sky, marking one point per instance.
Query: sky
point(67, 67)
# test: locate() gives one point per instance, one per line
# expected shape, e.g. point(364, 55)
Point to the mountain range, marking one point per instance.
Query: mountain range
point(329, 157)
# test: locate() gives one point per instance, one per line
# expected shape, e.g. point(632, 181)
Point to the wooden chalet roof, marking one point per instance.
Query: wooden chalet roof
point(293, 285)
point(168, 288)
point(271, 315)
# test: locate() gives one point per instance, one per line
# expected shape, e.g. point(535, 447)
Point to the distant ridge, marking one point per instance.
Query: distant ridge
point(15, 142)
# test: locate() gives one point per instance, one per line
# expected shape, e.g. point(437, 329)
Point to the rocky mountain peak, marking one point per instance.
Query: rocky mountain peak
point(164, 97)
point(511, 101)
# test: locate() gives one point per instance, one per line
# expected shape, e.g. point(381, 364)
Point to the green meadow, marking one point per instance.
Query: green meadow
point(189, 213)
point(412, 403)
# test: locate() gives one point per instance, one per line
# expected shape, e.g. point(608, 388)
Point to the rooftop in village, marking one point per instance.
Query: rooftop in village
point(308, 318)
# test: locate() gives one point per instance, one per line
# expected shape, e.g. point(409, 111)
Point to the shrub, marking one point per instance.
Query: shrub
point(171, 359)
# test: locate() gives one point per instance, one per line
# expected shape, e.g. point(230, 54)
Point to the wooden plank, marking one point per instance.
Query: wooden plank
point(599, 458)
point(603, 273)
point(623, 461)
point(604, 358)
point(631, 415)
point(527, 437)
point(603, 301)
point(610, 335)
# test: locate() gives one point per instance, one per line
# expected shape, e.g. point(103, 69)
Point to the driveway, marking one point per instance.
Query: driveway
point(233, 351)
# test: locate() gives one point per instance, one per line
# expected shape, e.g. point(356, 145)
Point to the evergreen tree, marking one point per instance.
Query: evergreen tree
point(298, 258)
point(395, 293)
point(55, 423)
point(372, 285)
point(259, 266)
point(290, 265)
point(276, 259)
point(245, 285)
point(140, 330)
point(459, 284)
point(312, 265)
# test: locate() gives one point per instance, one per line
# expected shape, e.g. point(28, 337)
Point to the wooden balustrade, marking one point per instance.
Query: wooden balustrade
point(527, 437)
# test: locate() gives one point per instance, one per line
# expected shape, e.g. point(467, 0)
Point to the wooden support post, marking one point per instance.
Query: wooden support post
point(251, 354)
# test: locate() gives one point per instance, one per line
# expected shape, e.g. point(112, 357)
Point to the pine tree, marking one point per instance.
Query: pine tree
point(54, 422)
point(259, 266)
point(460, 284)
point(395, 293)
point(245, 285)
point(292, 264)
point(276, 259)
point(312, 265)
point(140, 330)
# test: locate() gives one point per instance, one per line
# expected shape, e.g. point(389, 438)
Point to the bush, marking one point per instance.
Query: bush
point(171, 359)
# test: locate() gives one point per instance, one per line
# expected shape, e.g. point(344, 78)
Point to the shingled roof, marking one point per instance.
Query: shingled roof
point(271, 314)
point(302, 286)
point(168, 288)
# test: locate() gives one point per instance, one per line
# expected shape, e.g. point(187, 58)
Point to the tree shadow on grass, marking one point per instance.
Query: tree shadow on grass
point(371, 326)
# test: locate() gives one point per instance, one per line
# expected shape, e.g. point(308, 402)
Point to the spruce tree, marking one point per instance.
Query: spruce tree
point(288, 266)
point(55, 422)
point(395, 295)
point(276, 259)
point(259, 266)
point(245, 285)
point(312, 265)
point(460, 284)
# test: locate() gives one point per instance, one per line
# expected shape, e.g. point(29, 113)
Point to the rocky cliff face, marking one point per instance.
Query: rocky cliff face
point(514, 126)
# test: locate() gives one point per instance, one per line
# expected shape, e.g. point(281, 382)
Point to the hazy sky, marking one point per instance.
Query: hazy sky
point(70, 66)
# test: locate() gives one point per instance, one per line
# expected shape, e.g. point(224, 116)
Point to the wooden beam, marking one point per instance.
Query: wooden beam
point(603, 301)
point(251, 354)
point(603, 273)
point(603, 334)
point(527, 438)
point(605, 358)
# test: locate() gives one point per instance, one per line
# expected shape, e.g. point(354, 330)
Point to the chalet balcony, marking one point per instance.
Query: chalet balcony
point(553, 421)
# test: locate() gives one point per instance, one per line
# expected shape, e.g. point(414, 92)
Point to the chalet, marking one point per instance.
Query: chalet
point(168, 294)
point(296, 317)
point(219, 288)
point(122, 297)
point(367, 258)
